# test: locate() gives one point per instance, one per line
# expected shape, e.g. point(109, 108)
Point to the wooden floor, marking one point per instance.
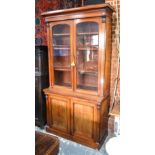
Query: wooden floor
point(46, 144)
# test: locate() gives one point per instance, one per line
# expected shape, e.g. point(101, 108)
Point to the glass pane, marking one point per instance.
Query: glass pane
point(62, 78)
point(87, 55)
point(61, 49)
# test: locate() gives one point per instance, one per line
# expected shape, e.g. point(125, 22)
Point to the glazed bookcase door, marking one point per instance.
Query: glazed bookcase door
point(61, 56)
point(87, 55)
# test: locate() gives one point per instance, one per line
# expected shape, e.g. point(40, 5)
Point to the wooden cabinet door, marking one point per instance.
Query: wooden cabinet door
point(59, 114)
point(83, 120)
point(87, 55)
point(60, 54)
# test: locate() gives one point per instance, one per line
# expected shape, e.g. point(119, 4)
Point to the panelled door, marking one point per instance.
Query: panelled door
point(84, 119)
point(59, 113)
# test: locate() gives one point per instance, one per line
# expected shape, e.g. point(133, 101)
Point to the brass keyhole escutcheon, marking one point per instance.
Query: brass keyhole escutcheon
point(73, 64)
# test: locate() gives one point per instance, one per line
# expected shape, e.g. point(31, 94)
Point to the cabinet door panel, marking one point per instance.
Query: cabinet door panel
point(83, 120)
point(87, 49)
point(61, 43)
point(59, 113)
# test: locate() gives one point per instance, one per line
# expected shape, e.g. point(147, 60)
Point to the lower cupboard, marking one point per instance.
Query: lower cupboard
point(77, 119)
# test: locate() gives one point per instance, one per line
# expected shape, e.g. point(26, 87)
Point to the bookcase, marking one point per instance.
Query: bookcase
point(79, 54)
